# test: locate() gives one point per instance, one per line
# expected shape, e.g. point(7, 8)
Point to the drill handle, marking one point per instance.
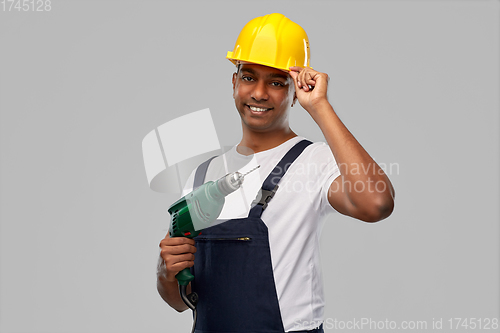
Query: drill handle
point(184, 277)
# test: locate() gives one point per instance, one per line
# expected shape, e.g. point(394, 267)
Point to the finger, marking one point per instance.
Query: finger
point(296, 68)
point(178, 249)
point(304, 77)
point(294, 76)
point(305, 87)
point(177, 267)
point(311, 79)
point(176, 241)
point(311, 84)
point(173, 260)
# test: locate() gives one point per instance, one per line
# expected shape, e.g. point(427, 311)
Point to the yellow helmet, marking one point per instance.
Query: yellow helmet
point(272, 40)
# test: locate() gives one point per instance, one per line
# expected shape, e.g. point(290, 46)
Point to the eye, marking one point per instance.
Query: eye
point(277, 84)
point(247, 78)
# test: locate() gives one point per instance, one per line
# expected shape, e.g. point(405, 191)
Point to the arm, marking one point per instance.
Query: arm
point(363, 190)
point(176, 254)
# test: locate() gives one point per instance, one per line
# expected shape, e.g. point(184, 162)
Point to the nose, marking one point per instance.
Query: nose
point(259, 92)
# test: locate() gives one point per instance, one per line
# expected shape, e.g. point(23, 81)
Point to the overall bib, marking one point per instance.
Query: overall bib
point(233, 270)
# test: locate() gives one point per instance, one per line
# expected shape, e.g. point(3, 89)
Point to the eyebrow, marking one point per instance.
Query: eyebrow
point(272, 75)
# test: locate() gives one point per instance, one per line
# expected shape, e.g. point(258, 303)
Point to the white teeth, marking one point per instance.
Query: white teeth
point(253, 108)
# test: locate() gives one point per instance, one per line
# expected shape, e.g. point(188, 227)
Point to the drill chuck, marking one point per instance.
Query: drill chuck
point(230, 183)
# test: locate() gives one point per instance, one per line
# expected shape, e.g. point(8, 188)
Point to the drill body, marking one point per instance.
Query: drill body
point(198, 210)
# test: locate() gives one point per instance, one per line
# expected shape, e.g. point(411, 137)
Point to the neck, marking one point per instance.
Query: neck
point(255, 142)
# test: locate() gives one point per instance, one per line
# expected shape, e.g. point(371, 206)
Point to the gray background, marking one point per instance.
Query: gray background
point(416, 82)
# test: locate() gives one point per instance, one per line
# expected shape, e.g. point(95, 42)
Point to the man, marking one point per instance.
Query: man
point(274, 275)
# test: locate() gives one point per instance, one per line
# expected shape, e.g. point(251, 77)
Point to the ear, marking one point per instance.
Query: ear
point(294, 99)
point(234, 82)
point(291, 82)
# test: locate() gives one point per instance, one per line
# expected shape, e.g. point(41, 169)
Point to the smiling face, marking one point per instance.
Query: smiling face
point(262, 96)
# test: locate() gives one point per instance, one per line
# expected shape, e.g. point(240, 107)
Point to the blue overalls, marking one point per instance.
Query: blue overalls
point(233, 270)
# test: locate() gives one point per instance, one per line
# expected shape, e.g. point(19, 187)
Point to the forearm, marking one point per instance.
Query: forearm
point(366, 183)
point(169, 290)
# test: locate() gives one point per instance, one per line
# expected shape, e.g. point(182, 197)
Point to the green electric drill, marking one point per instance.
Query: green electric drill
point(198, 210)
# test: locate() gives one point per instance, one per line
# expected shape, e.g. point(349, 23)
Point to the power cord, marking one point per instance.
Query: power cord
point(190, 300)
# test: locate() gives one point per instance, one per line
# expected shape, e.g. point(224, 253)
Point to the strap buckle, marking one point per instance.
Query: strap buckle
point(267, 195)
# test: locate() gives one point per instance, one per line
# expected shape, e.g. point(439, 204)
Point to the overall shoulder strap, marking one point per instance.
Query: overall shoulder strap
point(201, 172)
point(270, 185)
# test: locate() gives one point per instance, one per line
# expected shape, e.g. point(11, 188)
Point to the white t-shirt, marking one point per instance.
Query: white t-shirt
point(294, 218)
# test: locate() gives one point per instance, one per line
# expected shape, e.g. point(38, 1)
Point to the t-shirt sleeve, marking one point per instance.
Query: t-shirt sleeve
point(328, 171)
